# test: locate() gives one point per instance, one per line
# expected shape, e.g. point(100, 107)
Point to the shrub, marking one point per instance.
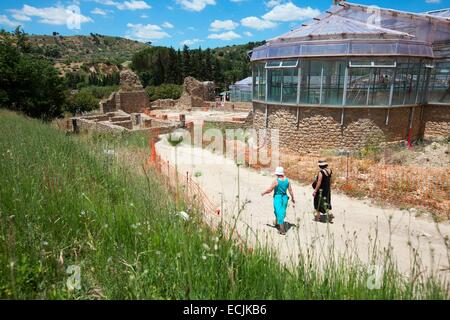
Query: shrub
point(165, 91)
point(82, 101)
point(28, 84)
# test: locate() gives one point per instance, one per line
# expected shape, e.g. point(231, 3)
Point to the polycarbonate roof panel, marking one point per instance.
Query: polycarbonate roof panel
point(424, 27)
point(246, 81)
point(328, 48)
point(444, 13)
point(334, 26)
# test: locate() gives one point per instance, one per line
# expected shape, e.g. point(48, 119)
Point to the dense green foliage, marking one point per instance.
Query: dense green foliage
point(100, 92)
point(224, 66)
point(28, 84)
point(85, 78)
point(66, 202)
point(82, 101)
point(164, 91)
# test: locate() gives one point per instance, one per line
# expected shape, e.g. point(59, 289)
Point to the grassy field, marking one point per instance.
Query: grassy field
point(66, 204)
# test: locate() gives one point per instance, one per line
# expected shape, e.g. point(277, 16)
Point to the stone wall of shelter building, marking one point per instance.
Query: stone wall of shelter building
point(436, 121)
point(309, 129)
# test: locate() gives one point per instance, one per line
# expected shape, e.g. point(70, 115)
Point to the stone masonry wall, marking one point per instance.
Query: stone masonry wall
point(319, 128)
point(133, 102)
point(436, 121)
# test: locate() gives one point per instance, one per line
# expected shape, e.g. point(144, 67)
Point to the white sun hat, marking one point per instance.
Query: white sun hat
point(279, 171)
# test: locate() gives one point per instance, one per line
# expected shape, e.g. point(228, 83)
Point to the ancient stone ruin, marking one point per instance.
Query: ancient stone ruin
point(131, 98)
point(195, 93)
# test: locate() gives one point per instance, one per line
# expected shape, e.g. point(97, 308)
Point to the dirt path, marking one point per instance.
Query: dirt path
point(357, 227)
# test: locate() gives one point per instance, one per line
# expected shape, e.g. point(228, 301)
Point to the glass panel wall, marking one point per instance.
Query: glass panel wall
point(311, 82)
point(381, 87)
point(439, 88)
point(290, 85)
point(259, 82)
point(370, 81)
point(370, 86)
point(274, 81)
point(359, 86)
point(402, 82)
point(333, 82)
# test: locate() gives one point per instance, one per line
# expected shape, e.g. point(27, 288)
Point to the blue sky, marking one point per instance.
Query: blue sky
point(205, 23)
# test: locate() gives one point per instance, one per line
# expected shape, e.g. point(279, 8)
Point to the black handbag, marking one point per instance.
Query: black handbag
point(314, 184)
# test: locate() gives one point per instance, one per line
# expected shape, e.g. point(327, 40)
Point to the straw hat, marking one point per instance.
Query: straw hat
point(279, 171)
point(322, 163)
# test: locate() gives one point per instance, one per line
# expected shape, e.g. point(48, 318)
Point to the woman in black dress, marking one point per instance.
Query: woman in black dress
point(322, 193)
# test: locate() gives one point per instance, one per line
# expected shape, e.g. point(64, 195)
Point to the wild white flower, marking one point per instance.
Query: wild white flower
point(158, 253)
point(206, 247)
point(204, 257)
point(216, 247)
point(44, 243)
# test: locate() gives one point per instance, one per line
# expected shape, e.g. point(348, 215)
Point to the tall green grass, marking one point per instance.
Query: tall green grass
point(64, 201)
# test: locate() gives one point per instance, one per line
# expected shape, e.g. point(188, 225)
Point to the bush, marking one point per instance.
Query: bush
point(100, 92)
point(28, 84)
point(165, 91)
point(82, 101)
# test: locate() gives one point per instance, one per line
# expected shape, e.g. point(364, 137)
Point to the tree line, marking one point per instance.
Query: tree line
point(161, 65)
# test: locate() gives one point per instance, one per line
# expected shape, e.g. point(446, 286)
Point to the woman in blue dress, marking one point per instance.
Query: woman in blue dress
point(280, 187)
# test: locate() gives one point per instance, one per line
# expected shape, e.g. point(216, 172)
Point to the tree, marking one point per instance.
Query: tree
point(187, 67)
point(82, 101)
point(28, 84)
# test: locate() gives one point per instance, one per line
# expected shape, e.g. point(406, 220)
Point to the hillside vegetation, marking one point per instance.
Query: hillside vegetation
point(93, 48)
point(74, 206)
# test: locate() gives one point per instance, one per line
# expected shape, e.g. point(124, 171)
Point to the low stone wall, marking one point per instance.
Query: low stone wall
point(223, 125)
point(128, 124)
point(436, 121)
point(89, 125)
point(164, 104)
point(120, 118)
point(319, 128)
point(229, 106)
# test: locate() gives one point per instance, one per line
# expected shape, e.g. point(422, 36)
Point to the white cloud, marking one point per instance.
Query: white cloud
point(218, 25)
point(195, 5)
point(146, 32)
point(257, 23)
point(226, 36)
point(190, 42)
point(433, 1)
point(290, 12)
point(273, 3)
point(144, 16)
point(58, 15)
point(126, 5)
point(5, 21)
point(168, 25)
point(99, 12)
point(248, 34)
point(21, 17)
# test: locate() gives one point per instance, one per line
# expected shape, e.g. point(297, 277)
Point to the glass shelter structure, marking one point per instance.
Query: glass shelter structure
point(241, 91)
point(357, 56)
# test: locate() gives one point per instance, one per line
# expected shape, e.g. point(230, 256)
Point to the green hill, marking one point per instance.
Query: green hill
point(93, 48)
